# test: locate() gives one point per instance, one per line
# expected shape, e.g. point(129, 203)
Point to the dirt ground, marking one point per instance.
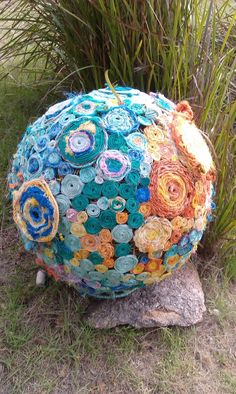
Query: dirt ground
point(46, 347)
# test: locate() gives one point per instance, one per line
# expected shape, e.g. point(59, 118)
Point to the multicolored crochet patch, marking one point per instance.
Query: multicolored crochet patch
point(112, 197)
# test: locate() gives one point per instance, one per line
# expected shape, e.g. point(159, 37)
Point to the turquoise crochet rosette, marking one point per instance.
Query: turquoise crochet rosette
point(112, 195)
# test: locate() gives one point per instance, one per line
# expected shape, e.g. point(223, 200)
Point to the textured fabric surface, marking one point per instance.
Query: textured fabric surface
point(112, 196)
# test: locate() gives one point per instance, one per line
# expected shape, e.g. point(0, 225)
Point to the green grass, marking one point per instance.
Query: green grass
point(229, 382)
point(45, 345)
point(62, 339)
point(17, 333)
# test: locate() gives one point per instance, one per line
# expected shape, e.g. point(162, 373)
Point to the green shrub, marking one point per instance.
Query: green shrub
point(185, 49)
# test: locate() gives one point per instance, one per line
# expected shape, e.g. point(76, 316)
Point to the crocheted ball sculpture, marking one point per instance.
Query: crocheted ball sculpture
point(112, 192)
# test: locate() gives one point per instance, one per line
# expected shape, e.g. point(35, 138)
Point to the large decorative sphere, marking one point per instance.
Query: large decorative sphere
point(112, 190)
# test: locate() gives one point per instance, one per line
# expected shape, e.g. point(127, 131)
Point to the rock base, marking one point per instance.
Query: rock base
point(177, 300)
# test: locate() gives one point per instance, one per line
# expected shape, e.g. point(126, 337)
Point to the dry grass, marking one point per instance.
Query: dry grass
point(46, 347)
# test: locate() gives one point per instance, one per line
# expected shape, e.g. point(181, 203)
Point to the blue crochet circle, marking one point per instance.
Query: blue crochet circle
point(96, 182)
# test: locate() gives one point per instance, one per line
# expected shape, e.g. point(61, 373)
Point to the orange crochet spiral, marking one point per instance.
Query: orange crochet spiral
point(172, 188)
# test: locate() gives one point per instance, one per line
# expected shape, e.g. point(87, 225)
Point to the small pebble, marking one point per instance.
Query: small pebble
point(40, 278)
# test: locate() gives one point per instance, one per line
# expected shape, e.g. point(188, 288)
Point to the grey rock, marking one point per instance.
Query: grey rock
point(177, 300)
